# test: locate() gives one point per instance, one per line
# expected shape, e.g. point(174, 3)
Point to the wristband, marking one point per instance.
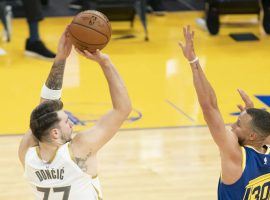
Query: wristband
point(47, 93)
point(194, 60)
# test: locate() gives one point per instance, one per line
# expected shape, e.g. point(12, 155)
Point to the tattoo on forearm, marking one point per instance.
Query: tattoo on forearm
point(81, 162)
point(55, 78)
point(196, 66)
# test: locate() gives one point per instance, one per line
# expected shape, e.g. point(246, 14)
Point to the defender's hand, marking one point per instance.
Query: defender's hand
point(187, 48)
point(246, 99)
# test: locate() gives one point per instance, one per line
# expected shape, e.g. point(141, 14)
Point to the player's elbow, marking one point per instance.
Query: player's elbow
point(126, 110)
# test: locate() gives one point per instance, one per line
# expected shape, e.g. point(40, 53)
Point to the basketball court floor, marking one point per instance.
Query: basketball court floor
point(164, 150)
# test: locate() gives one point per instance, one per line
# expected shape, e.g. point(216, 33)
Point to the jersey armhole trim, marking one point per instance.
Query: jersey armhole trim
point(24, 164)
point(268, 150)
point(244, 158)
point(98, 193)
point(70, 152)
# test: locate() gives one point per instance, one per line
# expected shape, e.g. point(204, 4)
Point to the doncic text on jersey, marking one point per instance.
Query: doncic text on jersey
point(46, 174)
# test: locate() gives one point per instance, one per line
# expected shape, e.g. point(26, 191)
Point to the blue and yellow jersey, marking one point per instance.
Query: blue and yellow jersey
point(254, 184)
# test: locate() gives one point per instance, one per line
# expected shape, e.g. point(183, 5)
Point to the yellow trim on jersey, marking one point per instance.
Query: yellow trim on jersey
point(70, 152)
point(244, 158)
point(99, 197)
point(258, 179)
point(268, 150)
point(94, 177)
point(221, 176)
point(39, 155)
point(37, 151)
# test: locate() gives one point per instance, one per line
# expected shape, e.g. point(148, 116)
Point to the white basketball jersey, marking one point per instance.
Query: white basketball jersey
point(61, 179)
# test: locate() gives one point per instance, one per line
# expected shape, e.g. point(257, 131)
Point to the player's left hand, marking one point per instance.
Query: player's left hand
point(246, 99)
point(97, 56)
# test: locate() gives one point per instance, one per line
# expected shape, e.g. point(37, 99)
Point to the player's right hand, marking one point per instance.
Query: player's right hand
point(64, 45)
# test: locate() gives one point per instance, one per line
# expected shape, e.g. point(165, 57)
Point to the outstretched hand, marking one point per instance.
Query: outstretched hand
point(246, 99)
point(188, 48)
point(97, 56)
point(64, 45)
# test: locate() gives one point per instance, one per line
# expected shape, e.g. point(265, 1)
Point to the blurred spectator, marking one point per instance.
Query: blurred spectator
point(34, 46)
point(156, 5)
point(77, 4)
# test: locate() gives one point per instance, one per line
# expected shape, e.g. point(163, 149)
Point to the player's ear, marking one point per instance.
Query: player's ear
point(54, 133)
point(253, 136)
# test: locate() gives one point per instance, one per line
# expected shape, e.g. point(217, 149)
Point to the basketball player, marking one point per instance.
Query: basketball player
point(57, 166)
point(245, 160)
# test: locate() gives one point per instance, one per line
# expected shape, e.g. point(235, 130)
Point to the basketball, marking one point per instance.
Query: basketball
point(90, 30)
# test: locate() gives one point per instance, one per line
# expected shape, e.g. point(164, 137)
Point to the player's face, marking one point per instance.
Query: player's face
point(242, 128)
point(65, 126)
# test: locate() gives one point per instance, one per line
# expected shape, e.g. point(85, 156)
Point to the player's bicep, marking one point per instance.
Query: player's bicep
point(227, 142)
point(96, 137)
point(232, 165)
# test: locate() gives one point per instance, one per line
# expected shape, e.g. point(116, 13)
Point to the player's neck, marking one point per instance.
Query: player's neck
point(47, 151)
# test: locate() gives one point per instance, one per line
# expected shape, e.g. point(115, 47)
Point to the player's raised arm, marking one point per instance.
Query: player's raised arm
point(51, 89)
point(231, 156)
point(90, 141)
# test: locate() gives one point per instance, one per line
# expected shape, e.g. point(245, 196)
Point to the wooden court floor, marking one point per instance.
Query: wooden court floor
point(164, 150)
point(160, 164)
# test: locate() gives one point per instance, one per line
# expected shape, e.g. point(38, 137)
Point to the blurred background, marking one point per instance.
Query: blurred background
point(164, 149)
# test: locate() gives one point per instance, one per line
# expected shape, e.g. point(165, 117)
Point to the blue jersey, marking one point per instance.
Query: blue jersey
point(254, 184)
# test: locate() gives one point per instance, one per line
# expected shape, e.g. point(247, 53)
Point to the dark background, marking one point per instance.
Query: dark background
point(60, 7)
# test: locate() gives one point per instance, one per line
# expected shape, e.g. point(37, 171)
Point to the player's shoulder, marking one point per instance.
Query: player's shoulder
point(30, 155)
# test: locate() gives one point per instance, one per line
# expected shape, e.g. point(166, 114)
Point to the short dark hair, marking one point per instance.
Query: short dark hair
point(260, 122)
point(44, 117)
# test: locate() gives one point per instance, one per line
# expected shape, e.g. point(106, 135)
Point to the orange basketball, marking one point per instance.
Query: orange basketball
point(90, 30)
